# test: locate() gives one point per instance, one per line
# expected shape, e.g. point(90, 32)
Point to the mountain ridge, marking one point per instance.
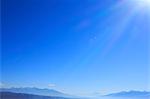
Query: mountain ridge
point(132, 93)
point(11, 95)
point(36, 91)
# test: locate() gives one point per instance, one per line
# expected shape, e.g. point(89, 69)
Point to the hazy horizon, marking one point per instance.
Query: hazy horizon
point(76, 46)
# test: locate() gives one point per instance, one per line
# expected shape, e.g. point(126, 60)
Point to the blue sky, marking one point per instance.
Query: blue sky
point(80, 46)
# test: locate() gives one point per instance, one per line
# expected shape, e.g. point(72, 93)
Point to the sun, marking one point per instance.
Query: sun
point(142, 3)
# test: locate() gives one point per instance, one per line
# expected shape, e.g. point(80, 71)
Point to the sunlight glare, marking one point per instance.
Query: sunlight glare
point(142, 3)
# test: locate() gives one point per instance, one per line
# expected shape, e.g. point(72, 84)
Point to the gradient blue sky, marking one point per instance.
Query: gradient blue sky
point(80, 46)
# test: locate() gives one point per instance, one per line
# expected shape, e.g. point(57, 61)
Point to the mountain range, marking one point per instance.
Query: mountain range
point(130, 94)
point(10, 95)
point(38, 93)
point(35, 91)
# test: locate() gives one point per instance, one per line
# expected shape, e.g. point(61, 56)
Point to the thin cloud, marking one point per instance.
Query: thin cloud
point(1, 85)
point(51, 85)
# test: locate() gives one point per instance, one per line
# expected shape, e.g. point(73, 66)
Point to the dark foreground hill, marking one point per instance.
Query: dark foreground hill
point(10, 95)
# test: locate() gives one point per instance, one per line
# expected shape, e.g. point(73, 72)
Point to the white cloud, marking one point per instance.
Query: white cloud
point(51, 85)
point(1, 85)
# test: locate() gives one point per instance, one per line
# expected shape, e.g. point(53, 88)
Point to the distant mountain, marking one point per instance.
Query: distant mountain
point(10, 95)
point(131, 94)
point(36, 91)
